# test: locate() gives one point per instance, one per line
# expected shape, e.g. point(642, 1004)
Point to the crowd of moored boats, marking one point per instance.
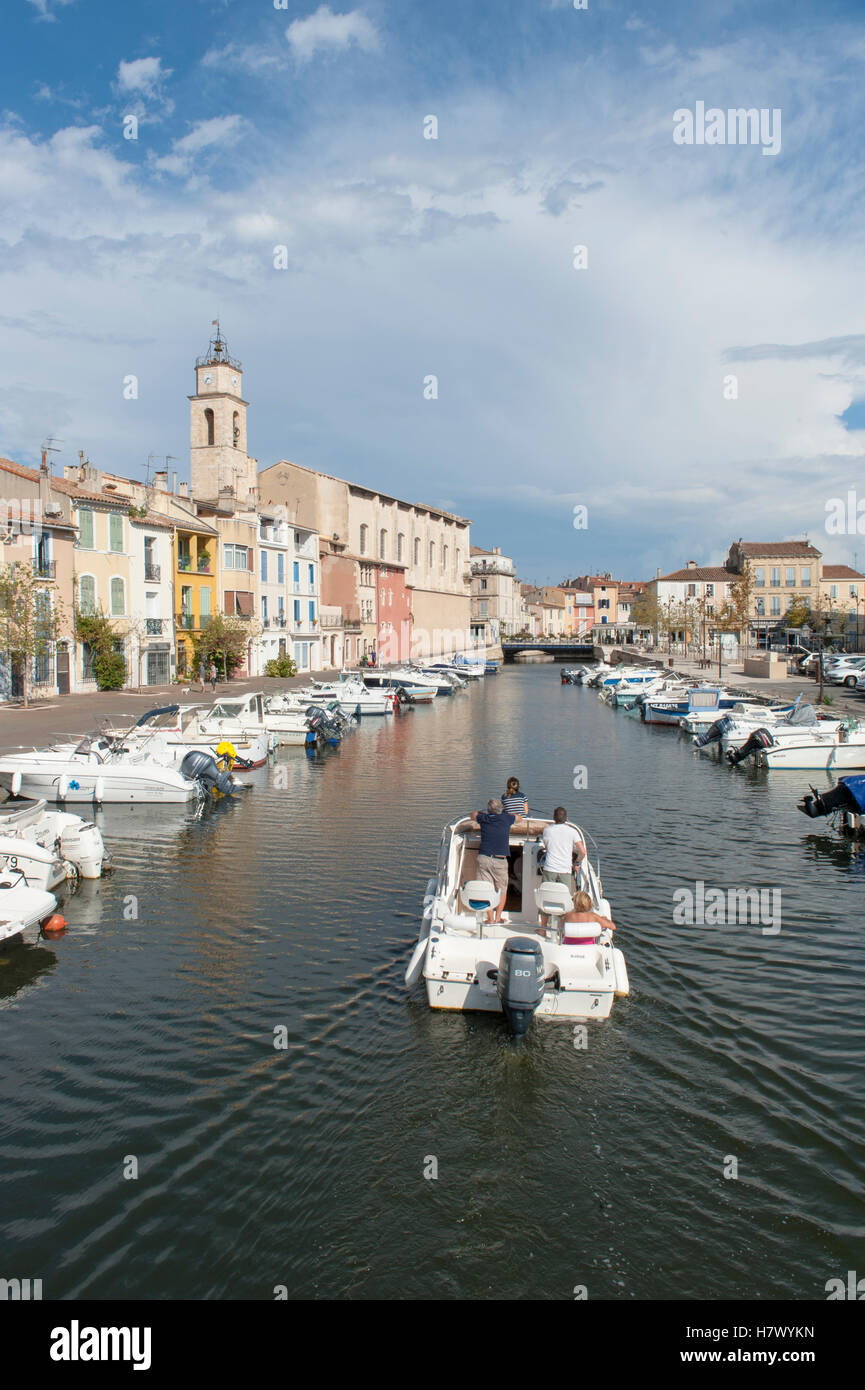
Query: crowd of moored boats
point(173, 754)
point(721, 723)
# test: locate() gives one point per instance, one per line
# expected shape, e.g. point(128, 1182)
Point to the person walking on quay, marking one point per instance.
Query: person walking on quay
point(513, 799)
point(213, 676)
point(202, 673)
point(495, 827)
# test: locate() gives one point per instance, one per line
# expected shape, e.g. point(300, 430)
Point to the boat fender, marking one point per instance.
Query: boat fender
point(54, 924)
point(16, 782)
point(99, 789)
point(415, 965)
point(62, 788)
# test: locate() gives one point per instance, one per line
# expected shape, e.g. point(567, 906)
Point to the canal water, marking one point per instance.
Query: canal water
point(145, 1039)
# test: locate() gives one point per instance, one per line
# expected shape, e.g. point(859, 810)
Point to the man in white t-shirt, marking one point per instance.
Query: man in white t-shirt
point(563, 846)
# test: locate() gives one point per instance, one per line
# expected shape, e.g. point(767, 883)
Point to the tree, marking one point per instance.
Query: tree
point(30, 611)
point(734, 615)
point(223, 640)
point(98, 633)
point(798, 614)
point(646, 611)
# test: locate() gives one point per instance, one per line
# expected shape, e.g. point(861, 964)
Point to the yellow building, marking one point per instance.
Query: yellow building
point(195, 590)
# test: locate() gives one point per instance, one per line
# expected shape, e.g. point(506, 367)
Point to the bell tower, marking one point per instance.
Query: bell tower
point(219, 462)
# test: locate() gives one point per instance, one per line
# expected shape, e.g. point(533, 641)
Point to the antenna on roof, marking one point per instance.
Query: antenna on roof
point(50, 446)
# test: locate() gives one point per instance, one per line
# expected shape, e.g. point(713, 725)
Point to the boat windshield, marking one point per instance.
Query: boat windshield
point(226, 710)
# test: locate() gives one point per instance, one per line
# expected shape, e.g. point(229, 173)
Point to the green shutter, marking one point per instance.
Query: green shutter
point(85, 530)
point(87, 593)
point(115, 532)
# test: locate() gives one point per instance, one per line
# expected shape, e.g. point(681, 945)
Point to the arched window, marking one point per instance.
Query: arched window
point(208, 420)
point(382, 544)
point(118, 597)
point(432, 555)
point(457, 561)
point(400, 548)
point(444, 558)
point(364, 531)
point(235, 429)
point(87, 594)
point(417, 550)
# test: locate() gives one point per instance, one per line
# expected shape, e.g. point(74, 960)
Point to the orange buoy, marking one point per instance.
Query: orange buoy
point(54, 925)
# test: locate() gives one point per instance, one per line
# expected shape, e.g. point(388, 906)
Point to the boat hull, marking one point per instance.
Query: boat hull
point(89, 784)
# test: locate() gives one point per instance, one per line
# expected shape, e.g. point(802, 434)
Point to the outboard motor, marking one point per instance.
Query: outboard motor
point(849, 795)
point(761, 738)
point(520, 981)
point(322, 728)
point(201, 767)
point(714, 732)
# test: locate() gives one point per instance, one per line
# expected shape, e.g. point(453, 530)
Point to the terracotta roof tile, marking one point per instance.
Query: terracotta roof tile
point(771, 550)
point(841, 572)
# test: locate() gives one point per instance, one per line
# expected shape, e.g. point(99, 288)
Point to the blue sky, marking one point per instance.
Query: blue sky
point(261, 127)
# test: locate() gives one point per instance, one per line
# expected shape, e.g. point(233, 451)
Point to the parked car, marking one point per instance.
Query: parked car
point(846, 672)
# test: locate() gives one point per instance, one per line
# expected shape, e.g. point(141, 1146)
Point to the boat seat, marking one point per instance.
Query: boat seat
point(553, 899)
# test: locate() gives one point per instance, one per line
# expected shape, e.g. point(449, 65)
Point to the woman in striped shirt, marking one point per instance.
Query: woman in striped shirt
point(513, 799)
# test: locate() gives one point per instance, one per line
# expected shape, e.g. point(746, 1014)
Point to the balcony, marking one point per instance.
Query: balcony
point(152, 573)
point(186, 620)
point(44, 569)
point(203, 565)
point(153, 627)
point(184, 563)
point(332, 620)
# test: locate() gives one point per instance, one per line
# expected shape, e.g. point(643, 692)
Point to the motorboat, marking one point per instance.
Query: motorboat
point(517, 966)
point(699, 720)
point(297, 723)
point(574, 675)
point(735, 738)
point(169, 732)
point(832, 750)
point(102, 769)
point(465, 672)
point(23, 909)
point(846, 801)
point(630, 692)
point(731, 732)
point(352, 696)
point(674, 708)
point(49, 846)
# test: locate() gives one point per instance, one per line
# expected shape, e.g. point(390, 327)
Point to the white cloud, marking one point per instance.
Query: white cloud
point(142, 75)
point(45, 8)
point(219, 130)
point(326, 30)
point(246, 57)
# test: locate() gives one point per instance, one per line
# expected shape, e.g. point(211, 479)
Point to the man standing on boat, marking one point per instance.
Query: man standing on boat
point(565, 851)
point(495, 827)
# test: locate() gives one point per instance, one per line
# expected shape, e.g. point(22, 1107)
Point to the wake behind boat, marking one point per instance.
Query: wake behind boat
point(516, 966)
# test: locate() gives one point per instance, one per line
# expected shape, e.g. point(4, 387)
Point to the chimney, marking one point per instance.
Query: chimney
point(160, 480)
point(691, 565)
point(658, 572)
point(174, 480)
point(182, 489)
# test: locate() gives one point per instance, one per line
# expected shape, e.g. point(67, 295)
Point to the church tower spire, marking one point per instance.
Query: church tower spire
point(220, 465)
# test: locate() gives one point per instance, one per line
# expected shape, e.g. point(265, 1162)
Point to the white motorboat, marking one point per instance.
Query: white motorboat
point(49, 846)
point(843, 750)
point(516, 966)
point(450, 668)
point(22, 909)
point(441, 682)
point(168, 732)
point(743, 711)
point(96, 769)
point(352, 696)
point(729, 735)
point(298, 723)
